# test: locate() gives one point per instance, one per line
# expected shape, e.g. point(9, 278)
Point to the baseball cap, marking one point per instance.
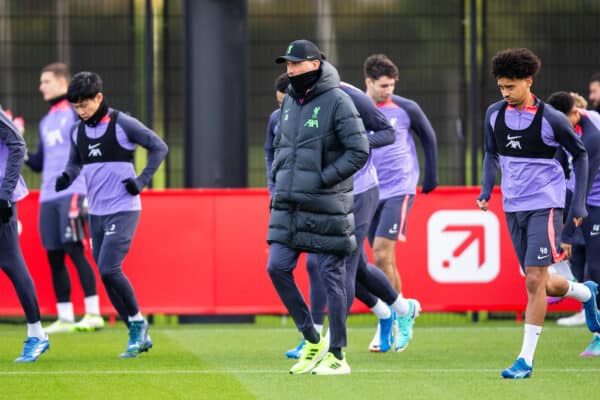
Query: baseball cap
point(300, 50)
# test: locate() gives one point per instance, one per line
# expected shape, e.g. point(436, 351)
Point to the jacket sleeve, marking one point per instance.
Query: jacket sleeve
point(591, 142)
point(563, 159)
point(270, 149)
point(73, 167)
point(421, 126)
point(592, 145)
point(35, 161)
point(567, 138)
point(350, 131)
point(490, 159)
point(140, 134)
point(379, 131)
point(16, 152)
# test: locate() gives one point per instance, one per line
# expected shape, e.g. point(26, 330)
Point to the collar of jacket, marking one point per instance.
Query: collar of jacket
point(329, 79)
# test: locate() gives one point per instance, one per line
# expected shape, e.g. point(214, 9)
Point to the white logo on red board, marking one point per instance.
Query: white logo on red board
point(463, 246)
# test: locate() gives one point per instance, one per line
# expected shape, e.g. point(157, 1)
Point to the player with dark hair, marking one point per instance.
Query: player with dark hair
point(587, 125)
point(62, 215)
point(13, 189)
point(576, 262)
point(397, 168)
point(102, 147)
point(521, 135)
point(281, 84)
point(594, 95)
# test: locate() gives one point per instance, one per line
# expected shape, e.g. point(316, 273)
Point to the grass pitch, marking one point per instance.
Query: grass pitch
point(245, 361)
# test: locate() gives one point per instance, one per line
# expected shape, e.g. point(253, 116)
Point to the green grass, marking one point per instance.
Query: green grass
point(456, 360)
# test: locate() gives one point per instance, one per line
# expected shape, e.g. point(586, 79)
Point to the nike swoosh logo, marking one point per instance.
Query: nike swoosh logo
point(513, 137)
point(594, 233)
point(541, 258)
point(93, 146)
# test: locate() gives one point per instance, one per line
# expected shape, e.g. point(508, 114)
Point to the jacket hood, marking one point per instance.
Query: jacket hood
point(328, 80)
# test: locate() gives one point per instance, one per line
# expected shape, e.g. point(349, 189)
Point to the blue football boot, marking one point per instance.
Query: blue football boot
point(405, 325)
point(519, 370)
point(590, 308)
point(295, 352)
point(137, 343)
point(34, 347)
point(386, 337)
point(593, 349)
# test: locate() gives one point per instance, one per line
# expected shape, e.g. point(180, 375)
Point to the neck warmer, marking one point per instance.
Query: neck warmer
point(98, 115)
point(57, 100)
point(301, 83)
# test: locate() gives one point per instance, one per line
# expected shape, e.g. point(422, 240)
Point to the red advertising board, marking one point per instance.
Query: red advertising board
point(204, 252)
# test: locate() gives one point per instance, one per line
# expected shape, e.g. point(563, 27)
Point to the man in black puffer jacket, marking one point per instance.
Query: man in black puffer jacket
point(321, 143)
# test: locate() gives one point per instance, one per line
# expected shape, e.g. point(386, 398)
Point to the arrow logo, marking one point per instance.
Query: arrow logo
point(476, 233)
point(463, 246)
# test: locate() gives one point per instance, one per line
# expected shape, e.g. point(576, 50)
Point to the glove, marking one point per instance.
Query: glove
point(131, 186)
point(62, 182)
point(6, 211)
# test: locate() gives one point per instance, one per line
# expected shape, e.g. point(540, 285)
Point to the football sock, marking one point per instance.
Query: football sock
point(136, 317)
point(319, 328)
point(401, 305)
point(36, 330)
point(92, 305)
point(578, 291)
point(381, 310)
point(65, 312)
point(530, 339)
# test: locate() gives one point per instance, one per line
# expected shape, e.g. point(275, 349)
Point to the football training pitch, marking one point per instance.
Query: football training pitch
point(246, 361)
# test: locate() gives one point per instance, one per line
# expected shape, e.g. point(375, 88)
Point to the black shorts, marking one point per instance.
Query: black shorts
point(62, 221)
point(536, 236)
point(390, 218)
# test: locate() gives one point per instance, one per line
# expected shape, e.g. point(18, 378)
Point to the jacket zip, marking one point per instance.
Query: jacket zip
point(295, 206)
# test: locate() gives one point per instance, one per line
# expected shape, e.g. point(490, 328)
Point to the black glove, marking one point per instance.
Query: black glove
point(62, 182)
point(6, 211)
point(131, 186)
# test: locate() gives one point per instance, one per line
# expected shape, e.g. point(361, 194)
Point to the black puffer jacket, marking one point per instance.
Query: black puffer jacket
point(321, 143)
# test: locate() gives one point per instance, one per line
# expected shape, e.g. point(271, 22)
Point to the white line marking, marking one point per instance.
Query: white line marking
point(284, 371)
point(208, 328)
point(205, 328)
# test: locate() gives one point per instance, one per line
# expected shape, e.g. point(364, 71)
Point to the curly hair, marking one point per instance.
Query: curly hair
point(378, 65)
point(515, 64)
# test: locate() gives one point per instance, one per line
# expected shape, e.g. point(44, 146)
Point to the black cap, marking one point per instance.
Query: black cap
point(300, 50)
